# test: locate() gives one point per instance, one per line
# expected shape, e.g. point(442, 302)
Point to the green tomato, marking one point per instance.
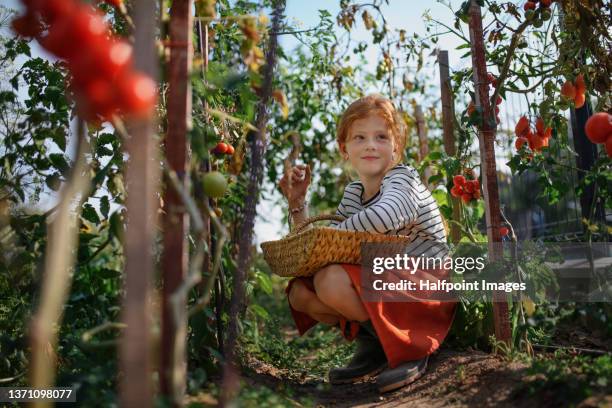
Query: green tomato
point(214, 184)
point(529, 14)
point(546, 15)
point(537, 23)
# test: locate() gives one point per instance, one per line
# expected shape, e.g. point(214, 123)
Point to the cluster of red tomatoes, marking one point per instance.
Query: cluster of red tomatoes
point(531, 5)
point(526, 135)
point(223, 148)
point(544, 12)
point(104, 83)
point(599, 130)
point(575, 91)
point(467, 190)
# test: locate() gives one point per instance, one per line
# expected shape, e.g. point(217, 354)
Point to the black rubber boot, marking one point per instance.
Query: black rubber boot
point(406, 373)
point(369, 358)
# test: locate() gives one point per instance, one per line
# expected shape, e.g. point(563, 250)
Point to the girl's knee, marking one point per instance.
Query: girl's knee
point(328, 280)
point(300, 296)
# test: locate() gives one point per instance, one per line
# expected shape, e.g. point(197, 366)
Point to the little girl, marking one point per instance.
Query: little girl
point(388, 198)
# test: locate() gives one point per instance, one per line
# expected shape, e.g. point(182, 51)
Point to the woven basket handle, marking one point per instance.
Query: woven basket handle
point(319, 217)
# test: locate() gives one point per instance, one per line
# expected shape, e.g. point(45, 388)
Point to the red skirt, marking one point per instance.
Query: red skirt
point(407, 330)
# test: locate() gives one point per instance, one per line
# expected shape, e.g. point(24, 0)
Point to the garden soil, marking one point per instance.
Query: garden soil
point(457, 379)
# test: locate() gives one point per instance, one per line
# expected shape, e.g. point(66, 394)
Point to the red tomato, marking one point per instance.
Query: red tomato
point(230, 149)
point(220, 148)
point(456, 191)
point(100, 94)
point(107, 59)
point(599, 127)
point(503, 231)
point(530, 136)
point(568, 90)
point(81, 31)
point(579, 100)
point(466, 197)
point(475, 185)
point(538, 142)
point(55, 40)
point(520, 141)
point(27, 25)
point(88, 26)
point(54, 10)
point(540, 126)
point(459, 180)
point(469, 187)
point(522, 126)
point(137, 92)
point(114, 3)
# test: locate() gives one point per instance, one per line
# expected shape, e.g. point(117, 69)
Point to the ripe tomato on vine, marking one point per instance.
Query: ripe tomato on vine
point(103, 80)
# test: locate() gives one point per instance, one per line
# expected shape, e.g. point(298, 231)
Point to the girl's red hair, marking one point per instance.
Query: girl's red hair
point(374, 104)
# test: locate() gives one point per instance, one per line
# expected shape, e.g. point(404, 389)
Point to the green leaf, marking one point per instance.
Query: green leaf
point(434, 179)
point(116, 225)
point(106, 138)
point(264, 282)
point(90, 214)
point(104, 151)
point(106, 273)
point(440, 196)
point(53, 181)
point(59, 161)
point(15, 82)
point(434, 156)
point(59, 137)
point(259, 311)
point(104, 206)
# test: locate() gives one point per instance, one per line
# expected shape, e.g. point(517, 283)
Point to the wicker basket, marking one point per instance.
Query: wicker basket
point(303, 252)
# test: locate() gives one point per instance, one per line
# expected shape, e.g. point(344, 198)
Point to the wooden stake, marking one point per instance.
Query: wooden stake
point(448, 117)
point(62, 237)
point(142, 175)
point(486, 138)
point(422, 134)
point(173, 370)
point(448, 108)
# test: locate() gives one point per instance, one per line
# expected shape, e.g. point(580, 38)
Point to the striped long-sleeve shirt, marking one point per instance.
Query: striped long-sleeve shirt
point(402, 206)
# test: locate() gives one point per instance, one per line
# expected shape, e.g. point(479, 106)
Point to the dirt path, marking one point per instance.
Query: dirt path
point(453, 379)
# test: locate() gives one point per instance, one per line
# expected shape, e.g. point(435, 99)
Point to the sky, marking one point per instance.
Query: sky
point(400, 14)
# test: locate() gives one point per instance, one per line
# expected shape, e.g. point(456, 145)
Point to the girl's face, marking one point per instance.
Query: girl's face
point(370, 146)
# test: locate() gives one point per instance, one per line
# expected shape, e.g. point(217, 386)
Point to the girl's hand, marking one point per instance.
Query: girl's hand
point(299, 180)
